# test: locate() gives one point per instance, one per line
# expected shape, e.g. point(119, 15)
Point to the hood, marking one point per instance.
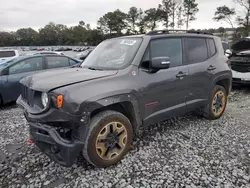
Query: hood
point(241, 45)
point(53, 79)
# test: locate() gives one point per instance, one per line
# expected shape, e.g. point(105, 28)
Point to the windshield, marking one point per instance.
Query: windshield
point(7, 54)
point(113, 54)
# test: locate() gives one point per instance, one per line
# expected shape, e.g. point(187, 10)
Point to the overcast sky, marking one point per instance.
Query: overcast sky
point(15, 14)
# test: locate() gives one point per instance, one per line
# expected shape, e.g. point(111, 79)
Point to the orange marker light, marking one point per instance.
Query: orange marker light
point(59, 101)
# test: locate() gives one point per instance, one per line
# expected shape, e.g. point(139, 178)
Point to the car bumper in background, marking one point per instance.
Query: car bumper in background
point(241, 78)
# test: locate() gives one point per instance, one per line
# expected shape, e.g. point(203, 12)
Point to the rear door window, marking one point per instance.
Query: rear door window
point(196, 50)
point(27, 65)
point(57, 62)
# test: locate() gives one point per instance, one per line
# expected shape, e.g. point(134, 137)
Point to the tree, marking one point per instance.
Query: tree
point(152, 16)
point(141, 21)
point(132, 18)
point(190, 9)
point(26, 36)
point(103, 25)
point(115, 21)
point(165, 12)
point(224, 13)
point(221, 31)
point(180, 20)
point(7, 39)
point(246, 5)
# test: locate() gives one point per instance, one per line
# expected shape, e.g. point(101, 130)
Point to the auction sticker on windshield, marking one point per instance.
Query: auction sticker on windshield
point(128, 42)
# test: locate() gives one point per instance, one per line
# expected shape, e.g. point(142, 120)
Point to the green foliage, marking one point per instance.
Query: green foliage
point(132, 18)
point(224, 13)
point(190, 8)
point(152, 16)
point(165, 12)
point(114, 22)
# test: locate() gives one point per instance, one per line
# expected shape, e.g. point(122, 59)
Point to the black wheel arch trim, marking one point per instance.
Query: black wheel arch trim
point(112, 100)
point(219, 77)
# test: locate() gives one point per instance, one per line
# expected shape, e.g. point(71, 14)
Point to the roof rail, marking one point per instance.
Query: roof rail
point(166, 31)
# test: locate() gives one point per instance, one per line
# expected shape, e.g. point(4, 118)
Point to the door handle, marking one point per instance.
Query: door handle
point(181, 74)
point(211, 67)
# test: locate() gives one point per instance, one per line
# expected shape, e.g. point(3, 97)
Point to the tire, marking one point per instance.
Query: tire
point(213, 110)
point(103, 147)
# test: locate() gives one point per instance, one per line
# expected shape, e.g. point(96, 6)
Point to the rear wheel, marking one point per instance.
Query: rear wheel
point(217, 103)
point(108, 140)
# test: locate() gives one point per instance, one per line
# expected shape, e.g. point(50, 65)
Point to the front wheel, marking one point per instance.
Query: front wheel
point(109, 138)
point(217, 103)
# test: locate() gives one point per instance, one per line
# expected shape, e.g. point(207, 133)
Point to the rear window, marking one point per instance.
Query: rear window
point(57, 62)
point(196, 50)
point(7, 53)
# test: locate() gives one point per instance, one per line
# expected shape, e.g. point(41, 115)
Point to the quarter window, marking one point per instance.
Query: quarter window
point(72, 62)
point(196, 50)
point(27, 65)
point(171, 47)
point(57, 62)
point(211, 47)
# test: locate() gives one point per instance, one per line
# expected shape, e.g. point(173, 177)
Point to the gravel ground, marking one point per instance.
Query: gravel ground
point(182, 152)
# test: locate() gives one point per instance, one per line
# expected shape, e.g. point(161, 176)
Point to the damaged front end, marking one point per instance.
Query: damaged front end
point(58, 144)
point(240, 61)
point(55, 132)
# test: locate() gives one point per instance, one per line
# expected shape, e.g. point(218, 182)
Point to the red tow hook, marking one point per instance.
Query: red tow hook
point(30, 141)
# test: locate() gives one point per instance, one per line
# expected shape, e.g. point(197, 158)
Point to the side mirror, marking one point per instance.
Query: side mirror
point(228, 52)
point(160, 63)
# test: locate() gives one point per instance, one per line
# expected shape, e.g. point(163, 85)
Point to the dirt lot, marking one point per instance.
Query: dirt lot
point(185, 151)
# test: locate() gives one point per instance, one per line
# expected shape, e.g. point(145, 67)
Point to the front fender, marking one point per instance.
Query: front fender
point(111, 100)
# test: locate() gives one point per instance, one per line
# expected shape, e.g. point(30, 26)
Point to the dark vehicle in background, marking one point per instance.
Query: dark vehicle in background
point(240, 61)
point(14, 70)
point(123, 84)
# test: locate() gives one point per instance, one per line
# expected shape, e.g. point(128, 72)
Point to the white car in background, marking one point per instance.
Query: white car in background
point(6, 55)
point(240, 61)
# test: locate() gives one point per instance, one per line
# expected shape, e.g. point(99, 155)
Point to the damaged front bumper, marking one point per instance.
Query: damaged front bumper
point(57, 134)
point(55, 144)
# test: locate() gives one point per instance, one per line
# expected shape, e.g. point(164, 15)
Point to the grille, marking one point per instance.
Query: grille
point(27, 95)
point(241, 67)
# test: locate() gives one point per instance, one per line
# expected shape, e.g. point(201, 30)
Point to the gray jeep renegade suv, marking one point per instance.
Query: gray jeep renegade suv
point(125, 83)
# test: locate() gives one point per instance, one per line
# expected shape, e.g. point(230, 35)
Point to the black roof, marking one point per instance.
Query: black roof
point(166, 31)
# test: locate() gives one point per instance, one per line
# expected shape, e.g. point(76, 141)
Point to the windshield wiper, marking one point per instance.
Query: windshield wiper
point(93, 68)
